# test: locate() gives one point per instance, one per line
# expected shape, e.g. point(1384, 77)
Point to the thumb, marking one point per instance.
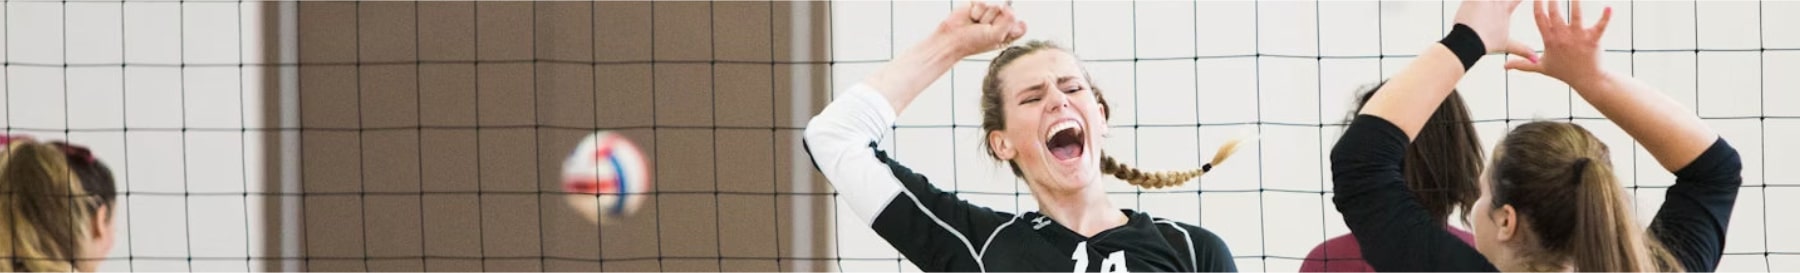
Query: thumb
point(1522, 64)
point(1515, 47)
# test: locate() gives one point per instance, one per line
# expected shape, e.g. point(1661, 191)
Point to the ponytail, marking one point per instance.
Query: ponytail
point(46, 213)
point(1157, 180)
point(1597, 240)
point(1606, 237)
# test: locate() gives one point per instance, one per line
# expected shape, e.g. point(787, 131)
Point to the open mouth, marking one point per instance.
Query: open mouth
point(1065, 140)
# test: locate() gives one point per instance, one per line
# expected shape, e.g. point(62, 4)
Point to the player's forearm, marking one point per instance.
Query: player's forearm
point(907, 75)
point(1409, 98)
point(1669, 131)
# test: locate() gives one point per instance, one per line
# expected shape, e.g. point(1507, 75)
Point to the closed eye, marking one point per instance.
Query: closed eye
point(1029, 100)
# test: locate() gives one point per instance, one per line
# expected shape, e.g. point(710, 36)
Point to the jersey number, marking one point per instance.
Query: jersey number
point(1115, 261)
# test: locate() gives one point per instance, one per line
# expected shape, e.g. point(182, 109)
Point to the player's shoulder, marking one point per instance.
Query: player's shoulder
point(1199, 235)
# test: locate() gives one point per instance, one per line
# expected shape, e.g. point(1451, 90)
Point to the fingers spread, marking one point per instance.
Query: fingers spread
point(1575, 13)
point(1541, 16)
point(1556, 16)
point(1605, 17)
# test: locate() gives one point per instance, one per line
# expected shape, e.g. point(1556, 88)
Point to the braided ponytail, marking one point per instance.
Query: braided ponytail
point(1164, 179)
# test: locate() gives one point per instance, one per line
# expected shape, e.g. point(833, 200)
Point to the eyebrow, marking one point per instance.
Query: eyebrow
point(1040, 87)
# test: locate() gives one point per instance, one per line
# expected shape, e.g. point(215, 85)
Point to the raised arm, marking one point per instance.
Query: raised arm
point(1409, 98)
point(1395, 231)
point(1670, 132)
point(971, 29)
point(1695, 212)
point(933, 228)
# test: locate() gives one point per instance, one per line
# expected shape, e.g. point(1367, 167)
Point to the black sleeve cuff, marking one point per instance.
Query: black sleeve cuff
point(1718, 164)
point(1467, 45)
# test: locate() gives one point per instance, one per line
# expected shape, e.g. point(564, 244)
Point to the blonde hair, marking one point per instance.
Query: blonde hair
point(1558, 177)
point(993, 118)
point(47, 209)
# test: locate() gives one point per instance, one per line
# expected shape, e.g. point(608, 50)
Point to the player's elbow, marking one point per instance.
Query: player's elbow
point(823, 141)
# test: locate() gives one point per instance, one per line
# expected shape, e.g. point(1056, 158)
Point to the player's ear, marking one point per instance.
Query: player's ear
point(1002, 148)
point(1506, 222)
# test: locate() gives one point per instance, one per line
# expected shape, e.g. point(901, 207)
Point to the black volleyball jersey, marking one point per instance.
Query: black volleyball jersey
point(940, 232)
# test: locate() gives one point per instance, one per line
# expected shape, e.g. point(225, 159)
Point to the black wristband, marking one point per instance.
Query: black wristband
point(1467, 45)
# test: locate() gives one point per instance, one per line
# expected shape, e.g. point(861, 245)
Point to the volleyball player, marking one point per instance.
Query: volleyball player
point(1549, 201)
point(1440, 170)
point(1043, 117)
point(57, 207)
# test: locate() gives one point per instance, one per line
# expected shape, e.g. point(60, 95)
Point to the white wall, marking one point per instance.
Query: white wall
point(1265, 201)
point(181, 190)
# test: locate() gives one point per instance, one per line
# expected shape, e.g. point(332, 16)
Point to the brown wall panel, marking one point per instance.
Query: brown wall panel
point(684, 160)
point(393, 226)
point(391, 161)
point(503, 31)
point(565, 95)
point(624, 97)
point(741, 30)
point(565, 31)
point(452, 230)
point(624, 30)
point(328, 96)
point(501, 91)
point(504, 93)
point(744, 94)
point(334, 229)
point(682, 30)
point(684, 94)
point(387, 32)
point(446, 30)
point(447, 94)
point(390, 95)
point(329, 32)
point(510, 232)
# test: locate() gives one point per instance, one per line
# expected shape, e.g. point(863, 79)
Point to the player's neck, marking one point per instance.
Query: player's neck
point(1086, 212)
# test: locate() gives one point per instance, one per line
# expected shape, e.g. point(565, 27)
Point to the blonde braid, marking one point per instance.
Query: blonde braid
point(1158, 180)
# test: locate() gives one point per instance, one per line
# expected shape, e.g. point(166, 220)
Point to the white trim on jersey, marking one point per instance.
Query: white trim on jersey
point(1193, 259)
point(838, 139)
point(947, 227)
point(990, 240)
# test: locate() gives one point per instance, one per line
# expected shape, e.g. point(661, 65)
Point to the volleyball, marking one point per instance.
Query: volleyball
point(606, 177)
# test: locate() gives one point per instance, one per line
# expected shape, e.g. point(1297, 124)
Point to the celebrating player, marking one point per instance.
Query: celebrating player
point(1043, 116)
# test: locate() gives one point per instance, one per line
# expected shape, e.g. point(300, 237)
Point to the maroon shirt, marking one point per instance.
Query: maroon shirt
point(1343, 254)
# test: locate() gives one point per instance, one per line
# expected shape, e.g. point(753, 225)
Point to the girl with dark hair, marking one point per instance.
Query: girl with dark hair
point(1440, 169)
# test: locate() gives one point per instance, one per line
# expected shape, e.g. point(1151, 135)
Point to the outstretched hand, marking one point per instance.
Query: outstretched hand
point(981, 27)
point(1491, 20)
point(1571, 50)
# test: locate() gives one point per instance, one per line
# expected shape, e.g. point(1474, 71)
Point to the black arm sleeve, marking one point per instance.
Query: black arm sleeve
point(1697, 210)
point(935, 229)
point(1396, 233)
